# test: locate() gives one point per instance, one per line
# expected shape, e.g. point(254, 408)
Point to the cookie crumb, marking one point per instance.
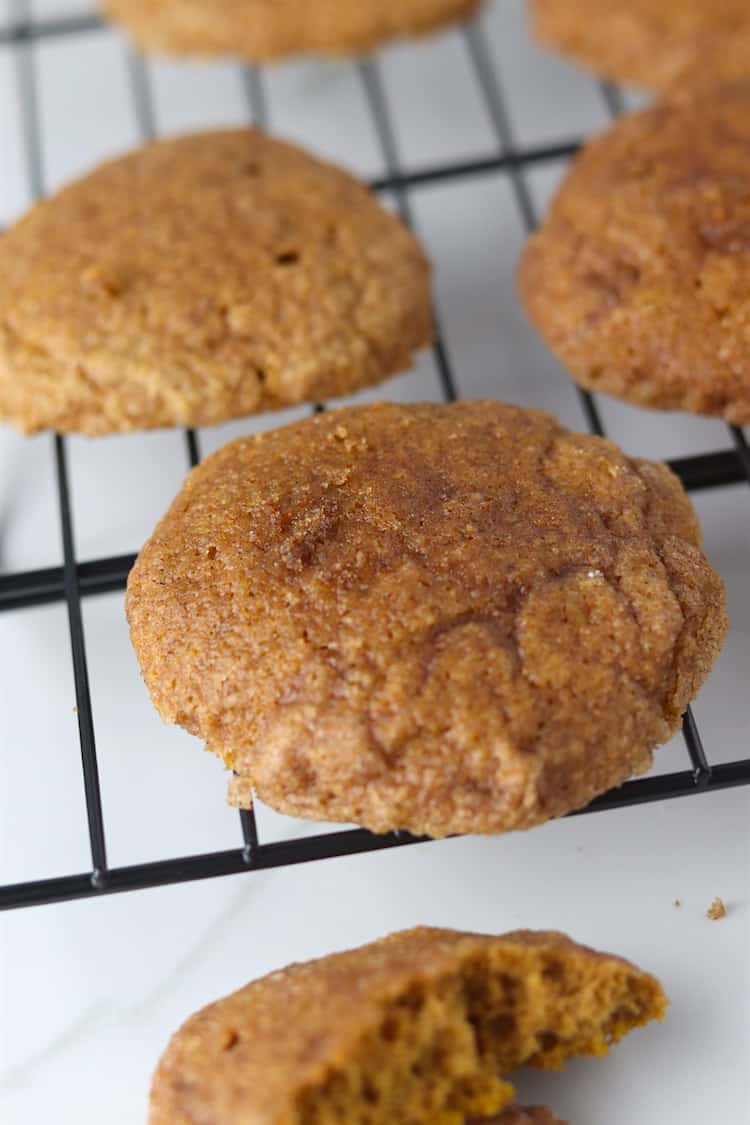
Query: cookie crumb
point(716, 910)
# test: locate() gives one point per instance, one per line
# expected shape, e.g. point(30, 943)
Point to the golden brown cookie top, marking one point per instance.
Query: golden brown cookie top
point(203, 278)
point(653, 43)
point(267, 29)
point(442, 618)
point(418, 1026)
point(639, 278)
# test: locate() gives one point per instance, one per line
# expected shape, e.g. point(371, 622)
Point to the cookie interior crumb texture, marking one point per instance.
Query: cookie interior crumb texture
point(418, 1027)
point(199, 279)
point(716, 910)
point(658, 44)
point(438, 618)
point(260, 30)
point(639, 278)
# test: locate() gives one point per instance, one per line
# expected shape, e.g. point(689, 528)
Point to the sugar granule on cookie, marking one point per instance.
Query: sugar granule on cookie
point(259, 30)
point(420, 1026)
point(658, 44)
point(434, 618)
point(639, 277)
point(203, 278)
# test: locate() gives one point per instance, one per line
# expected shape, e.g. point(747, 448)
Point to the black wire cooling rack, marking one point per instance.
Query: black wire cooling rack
point(75, 580)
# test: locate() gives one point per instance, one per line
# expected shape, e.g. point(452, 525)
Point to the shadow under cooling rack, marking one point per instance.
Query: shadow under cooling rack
point(76, 579)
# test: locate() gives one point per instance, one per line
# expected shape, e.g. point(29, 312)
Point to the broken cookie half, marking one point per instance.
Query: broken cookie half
point(417, 1028)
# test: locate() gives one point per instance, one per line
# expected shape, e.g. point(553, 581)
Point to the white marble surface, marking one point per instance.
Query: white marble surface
point(90, 991)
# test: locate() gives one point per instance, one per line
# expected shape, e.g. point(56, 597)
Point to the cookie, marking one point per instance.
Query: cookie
point(417, 1027)
point(259, 30)
point(438, 618)
point(655, 45)
point(199, 279)
point(639, 279)
point(523, 1115)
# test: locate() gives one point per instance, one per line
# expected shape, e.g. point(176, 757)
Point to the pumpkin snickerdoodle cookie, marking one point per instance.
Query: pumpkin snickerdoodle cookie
point(437, 618)
point(658, 44)
point(260, 30)
point(420, 1026)
point(639, 278)
point(199, 279)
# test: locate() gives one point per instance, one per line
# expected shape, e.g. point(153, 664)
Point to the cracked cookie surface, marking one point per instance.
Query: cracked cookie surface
point(199, 279)
point(419, 1027)
point(268, 29)
point(437, 618)
point(658, 45)
point(639, 278)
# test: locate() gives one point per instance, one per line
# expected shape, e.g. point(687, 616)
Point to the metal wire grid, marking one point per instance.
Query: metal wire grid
point(75, 579)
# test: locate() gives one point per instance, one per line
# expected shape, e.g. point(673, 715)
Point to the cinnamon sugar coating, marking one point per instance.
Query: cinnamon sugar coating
point(438, 618)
